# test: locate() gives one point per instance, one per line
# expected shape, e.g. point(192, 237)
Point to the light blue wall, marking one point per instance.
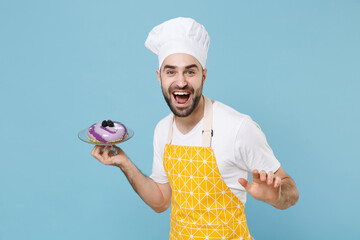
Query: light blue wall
point(293, 66)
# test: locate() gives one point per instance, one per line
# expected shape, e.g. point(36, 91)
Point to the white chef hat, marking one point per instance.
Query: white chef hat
point(179, 35)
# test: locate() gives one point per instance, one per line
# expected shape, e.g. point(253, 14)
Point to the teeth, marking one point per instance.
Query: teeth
point(181, 93)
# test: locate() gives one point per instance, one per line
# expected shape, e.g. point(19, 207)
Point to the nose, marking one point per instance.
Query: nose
point(181, 81)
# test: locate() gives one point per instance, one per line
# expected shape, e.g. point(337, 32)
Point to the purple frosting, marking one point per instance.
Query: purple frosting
point(107, 134)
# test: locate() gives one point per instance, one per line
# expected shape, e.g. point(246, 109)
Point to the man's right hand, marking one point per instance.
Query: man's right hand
point(108, 157)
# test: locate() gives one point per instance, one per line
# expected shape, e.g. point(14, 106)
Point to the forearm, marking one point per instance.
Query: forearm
point(288, 194)
point(145, 187)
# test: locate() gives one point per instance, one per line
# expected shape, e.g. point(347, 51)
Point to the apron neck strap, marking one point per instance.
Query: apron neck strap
point(207, 131)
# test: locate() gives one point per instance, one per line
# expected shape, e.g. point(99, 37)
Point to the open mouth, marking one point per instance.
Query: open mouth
point(181, 97)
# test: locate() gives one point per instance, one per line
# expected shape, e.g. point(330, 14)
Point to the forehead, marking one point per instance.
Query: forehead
point(180, 60)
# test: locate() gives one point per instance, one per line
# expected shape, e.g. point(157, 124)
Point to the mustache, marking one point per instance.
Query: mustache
point(186, 88)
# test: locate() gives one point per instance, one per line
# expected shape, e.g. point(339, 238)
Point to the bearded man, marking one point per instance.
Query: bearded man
point(204, 151)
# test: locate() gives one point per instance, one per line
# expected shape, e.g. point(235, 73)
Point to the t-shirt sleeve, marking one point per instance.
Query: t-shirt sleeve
point(253, 148)
point(158, 172)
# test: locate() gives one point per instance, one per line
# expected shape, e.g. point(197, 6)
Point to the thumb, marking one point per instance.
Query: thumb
point(244, 182)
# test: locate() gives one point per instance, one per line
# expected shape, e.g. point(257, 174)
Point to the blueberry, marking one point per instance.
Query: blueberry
point(104, 123)
point(110, 123)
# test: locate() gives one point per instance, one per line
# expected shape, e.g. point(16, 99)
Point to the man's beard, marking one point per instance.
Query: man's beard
point(196, 97)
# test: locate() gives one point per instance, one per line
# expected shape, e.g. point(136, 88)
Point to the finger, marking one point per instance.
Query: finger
point(98, 149)
point(119, 149)
point(113, 151)
point(106, 152)
point(255, 174)
point(97, 152)
point(93, 151)
point(244, 183)
point(262, 176)
point(270, 178)
point(104, 157)
point(277, 182)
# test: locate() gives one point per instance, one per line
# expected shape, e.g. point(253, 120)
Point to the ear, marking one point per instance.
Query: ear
point(204, 75)
point(158, 76)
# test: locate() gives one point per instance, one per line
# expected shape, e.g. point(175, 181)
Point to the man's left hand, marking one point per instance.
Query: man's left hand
point(264, 187)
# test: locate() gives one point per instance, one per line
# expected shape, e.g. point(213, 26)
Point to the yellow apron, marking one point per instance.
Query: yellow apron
point(202, 206)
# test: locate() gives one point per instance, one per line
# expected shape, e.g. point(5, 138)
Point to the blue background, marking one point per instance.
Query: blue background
point(293, 66)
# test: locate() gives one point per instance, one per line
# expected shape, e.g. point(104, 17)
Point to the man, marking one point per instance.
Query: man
point(204, 150)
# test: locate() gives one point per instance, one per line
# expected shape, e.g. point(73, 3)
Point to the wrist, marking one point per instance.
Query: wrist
point(274, 199)
point(122, 163)
point(273, 202)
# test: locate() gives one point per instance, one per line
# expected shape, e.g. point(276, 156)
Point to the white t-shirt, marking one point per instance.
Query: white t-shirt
point(238, 143)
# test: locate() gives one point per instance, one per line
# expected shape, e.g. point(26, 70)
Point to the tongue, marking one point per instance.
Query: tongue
point(182, 98)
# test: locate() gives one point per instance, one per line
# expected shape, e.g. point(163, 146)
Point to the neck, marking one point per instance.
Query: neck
point(185, 124)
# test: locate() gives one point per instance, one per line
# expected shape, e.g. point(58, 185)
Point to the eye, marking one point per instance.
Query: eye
point(190, 72)
point(170, 72)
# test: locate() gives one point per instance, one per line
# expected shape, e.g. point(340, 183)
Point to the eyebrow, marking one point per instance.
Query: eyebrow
point(168, 66)
point(187, 67)
point(192, 66)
